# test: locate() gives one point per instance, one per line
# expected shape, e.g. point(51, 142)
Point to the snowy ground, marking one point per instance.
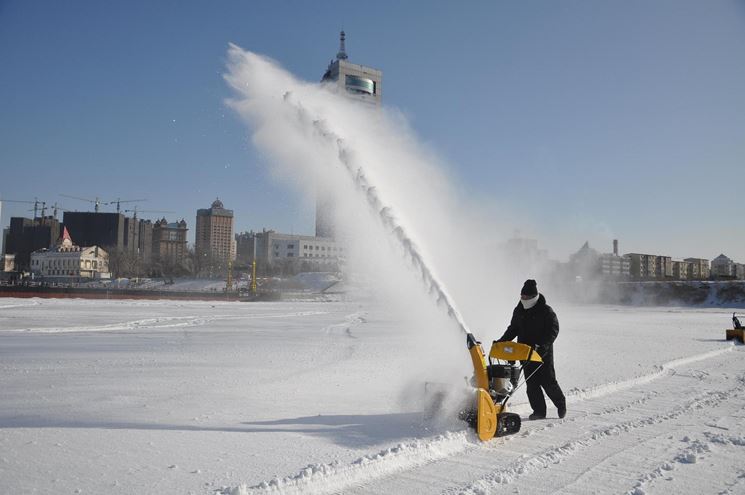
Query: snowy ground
point(198, 397)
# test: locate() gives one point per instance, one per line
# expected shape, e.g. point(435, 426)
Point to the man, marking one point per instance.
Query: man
point(535, 323)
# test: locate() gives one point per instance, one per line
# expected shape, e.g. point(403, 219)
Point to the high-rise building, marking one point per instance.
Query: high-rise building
point(132, 235)
point(169, 243)
point(145, 241)
point(26, 236)
point(138, 245)
point(361, 83)
point(105, 230)
point(214, 243)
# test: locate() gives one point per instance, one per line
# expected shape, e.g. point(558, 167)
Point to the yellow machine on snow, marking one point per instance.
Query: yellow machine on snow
point(738, 332)
point(496, 380)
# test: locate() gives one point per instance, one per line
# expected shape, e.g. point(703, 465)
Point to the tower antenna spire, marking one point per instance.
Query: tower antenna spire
point(342, 55)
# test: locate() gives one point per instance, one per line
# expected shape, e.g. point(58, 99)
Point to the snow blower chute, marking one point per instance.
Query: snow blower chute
point(496, 380)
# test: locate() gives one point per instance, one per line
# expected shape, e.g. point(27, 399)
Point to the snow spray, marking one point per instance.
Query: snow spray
point(386, 216)
point(402, 224)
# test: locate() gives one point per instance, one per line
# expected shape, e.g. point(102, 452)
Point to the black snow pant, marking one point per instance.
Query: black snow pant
point(544, 378)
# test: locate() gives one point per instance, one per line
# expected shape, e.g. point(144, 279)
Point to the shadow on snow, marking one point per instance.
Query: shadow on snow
point(360, 430)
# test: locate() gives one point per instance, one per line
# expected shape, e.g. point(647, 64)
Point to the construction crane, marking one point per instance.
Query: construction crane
point(35, 202)
point(123, 201)
point(135, 210)
point(55, 208)
point(43, 210)
point(97, 202)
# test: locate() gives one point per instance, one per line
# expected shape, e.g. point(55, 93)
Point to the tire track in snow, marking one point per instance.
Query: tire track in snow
point(694, 451)
point(266, 315)
point(162, 322)
point(19, 305)
point(350, 321)
point(575, 395)
point(604, 460)
point(737, 486)
point(145, 323)
point(334, 477)
point(580, 417)
point(558, 454)
point(664, 470)
point(579, 395)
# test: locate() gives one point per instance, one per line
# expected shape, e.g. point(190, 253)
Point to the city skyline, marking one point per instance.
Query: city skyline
point(585, 122)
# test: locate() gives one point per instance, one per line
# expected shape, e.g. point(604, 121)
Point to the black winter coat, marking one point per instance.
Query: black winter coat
point(537, 326)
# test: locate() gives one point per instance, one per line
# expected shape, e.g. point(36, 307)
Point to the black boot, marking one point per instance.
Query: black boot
point(535, 416)
point(562, 410)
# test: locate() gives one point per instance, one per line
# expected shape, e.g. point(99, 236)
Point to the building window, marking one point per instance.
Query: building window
point(356, 84)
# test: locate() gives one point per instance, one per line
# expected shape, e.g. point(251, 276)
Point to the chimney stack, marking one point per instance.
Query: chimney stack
point(615, 247)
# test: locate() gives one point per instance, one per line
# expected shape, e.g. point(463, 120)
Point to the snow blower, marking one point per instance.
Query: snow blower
point(496, 380)
point(738, 332)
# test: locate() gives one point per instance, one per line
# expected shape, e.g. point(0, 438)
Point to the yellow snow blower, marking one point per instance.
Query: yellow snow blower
point(737, 332)
point(496, 380)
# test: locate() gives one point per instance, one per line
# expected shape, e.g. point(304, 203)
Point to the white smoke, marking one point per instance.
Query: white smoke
point(391, 192)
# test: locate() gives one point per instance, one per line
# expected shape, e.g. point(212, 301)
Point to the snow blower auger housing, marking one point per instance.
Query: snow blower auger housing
point(496, 380)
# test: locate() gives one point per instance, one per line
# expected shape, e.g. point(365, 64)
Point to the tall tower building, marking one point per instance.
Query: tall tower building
point(364, 83)
point(361, 83)
point(213, 244)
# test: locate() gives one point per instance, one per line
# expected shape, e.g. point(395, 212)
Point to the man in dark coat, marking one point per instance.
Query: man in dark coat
point(535, 323)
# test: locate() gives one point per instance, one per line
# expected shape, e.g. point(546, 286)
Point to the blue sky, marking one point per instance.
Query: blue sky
point(593, 120)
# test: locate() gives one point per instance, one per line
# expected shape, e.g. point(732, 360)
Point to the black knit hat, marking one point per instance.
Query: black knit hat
point(530, 288)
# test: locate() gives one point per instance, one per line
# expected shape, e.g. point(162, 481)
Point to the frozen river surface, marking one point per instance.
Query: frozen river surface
point(123, 397)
